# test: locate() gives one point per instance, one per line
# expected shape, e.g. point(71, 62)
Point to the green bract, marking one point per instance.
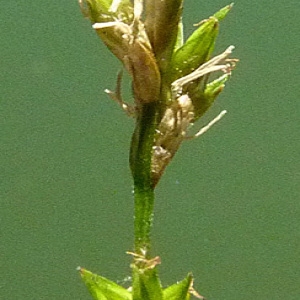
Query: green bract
point(102, 288)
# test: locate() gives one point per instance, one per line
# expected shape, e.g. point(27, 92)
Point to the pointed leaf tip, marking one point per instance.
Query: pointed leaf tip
point(102, 288)
point(179, 290)
point(221, 14)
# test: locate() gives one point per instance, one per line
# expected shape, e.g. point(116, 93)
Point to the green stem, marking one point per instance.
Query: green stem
point(143, 202)
point(140, 162)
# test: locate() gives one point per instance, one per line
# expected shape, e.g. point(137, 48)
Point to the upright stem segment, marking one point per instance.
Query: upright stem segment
point(140, 162)
point(143, 201)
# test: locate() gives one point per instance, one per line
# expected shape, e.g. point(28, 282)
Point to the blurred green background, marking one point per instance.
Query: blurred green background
point(227, 208)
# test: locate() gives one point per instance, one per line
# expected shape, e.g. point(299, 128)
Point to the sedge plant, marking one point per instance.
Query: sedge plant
point(174, 82)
